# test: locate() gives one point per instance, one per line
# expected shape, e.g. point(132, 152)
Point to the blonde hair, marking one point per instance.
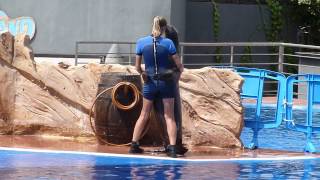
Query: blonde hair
point(158, 26)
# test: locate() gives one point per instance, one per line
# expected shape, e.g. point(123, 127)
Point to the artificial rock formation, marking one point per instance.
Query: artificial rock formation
point(211, 108)
point(50, 99)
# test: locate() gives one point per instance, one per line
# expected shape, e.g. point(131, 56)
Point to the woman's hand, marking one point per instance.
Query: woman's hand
point(180, 72)
point(181, 69)
point(144, 77)
point(178, 63)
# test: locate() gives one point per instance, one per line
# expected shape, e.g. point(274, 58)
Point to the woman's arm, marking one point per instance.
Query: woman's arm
point(177, 61)
point(138, 64)
point(139, 69)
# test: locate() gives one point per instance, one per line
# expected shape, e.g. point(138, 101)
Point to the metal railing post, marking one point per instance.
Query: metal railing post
point(182, 53)
point(130, 53)
point(231, 55)
point(76, 55)
point(280, 58)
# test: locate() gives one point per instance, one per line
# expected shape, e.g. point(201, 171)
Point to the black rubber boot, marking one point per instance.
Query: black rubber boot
point(135, 149)
point(180, 149)
point(172, 151)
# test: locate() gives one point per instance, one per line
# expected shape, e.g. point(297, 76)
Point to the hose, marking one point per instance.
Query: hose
point(126, 85)
point(114, 89)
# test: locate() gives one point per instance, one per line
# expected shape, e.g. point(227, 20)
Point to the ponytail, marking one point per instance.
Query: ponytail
point(158, 26)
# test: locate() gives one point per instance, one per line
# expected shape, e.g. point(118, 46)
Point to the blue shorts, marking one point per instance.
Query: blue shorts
point(161, 89)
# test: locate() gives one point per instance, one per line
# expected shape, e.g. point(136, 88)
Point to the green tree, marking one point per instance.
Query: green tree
point(306, 14)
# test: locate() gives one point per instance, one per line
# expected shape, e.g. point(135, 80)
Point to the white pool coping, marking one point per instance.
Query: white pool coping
point(275, 158)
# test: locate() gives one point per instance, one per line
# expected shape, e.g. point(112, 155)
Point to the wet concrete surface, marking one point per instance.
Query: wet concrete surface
point(92, 145)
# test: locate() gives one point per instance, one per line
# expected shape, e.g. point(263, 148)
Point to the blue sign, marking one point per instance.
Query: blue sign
point(24, 25)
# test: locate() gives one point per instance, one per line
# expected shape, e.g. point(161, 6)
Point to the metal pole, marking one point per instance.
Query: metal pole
point(76, 55)
point(231, 55)
point(280, 58)
point(182, 53)
point(130, 52)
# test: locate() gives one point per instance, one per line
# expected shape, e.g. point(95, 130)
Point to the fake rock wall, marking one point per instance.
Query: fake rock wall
point(49, 99)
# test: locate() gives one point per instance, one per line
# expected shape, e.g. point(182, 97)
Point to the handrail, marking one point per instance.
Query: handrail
point(301, 46)
point(232, 44)
point(105, 42)
point(231, 54)
point(214, 44)
point(252, 44)
point(201, 44)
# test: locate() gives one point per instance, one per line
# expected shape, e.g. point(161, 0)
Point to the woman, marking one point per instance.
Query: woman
point(157, 52)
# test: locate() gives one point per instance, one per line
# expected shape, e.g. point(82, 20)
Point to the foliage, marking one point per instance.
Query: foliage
point(246, 58)
point(272, 29)
point(215, 29)
point(305, 14)
point(215, 20)
point(290, 60)
point(276, 20)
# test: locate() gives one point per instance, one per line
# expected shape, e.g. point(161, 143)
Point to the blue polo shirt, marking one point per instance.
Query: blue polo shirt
point(165, 48)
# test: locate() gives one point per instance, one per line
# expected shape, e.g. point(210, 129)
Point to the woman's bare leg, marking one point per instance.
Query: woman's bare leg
point(168, 105)
point(141, 122)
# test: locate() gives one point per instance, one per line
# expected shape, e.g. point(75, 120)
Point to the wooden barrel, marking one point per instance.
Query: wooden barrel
point(116, 126)
point(113, 124)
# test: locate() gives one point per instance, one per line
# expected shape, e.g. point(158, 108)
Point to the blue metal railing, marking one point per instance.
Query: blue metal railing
point(253, 88)
point(313, 97)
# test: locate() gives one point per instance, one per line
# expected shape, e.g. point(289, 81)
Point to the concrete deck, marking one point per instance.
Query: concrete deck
point(91, 145)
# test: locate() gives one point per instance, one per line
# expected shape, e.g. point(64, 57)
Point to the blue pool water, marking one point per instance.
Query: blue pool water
point(281, 138)
point(24, 165)
point(29, 165)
